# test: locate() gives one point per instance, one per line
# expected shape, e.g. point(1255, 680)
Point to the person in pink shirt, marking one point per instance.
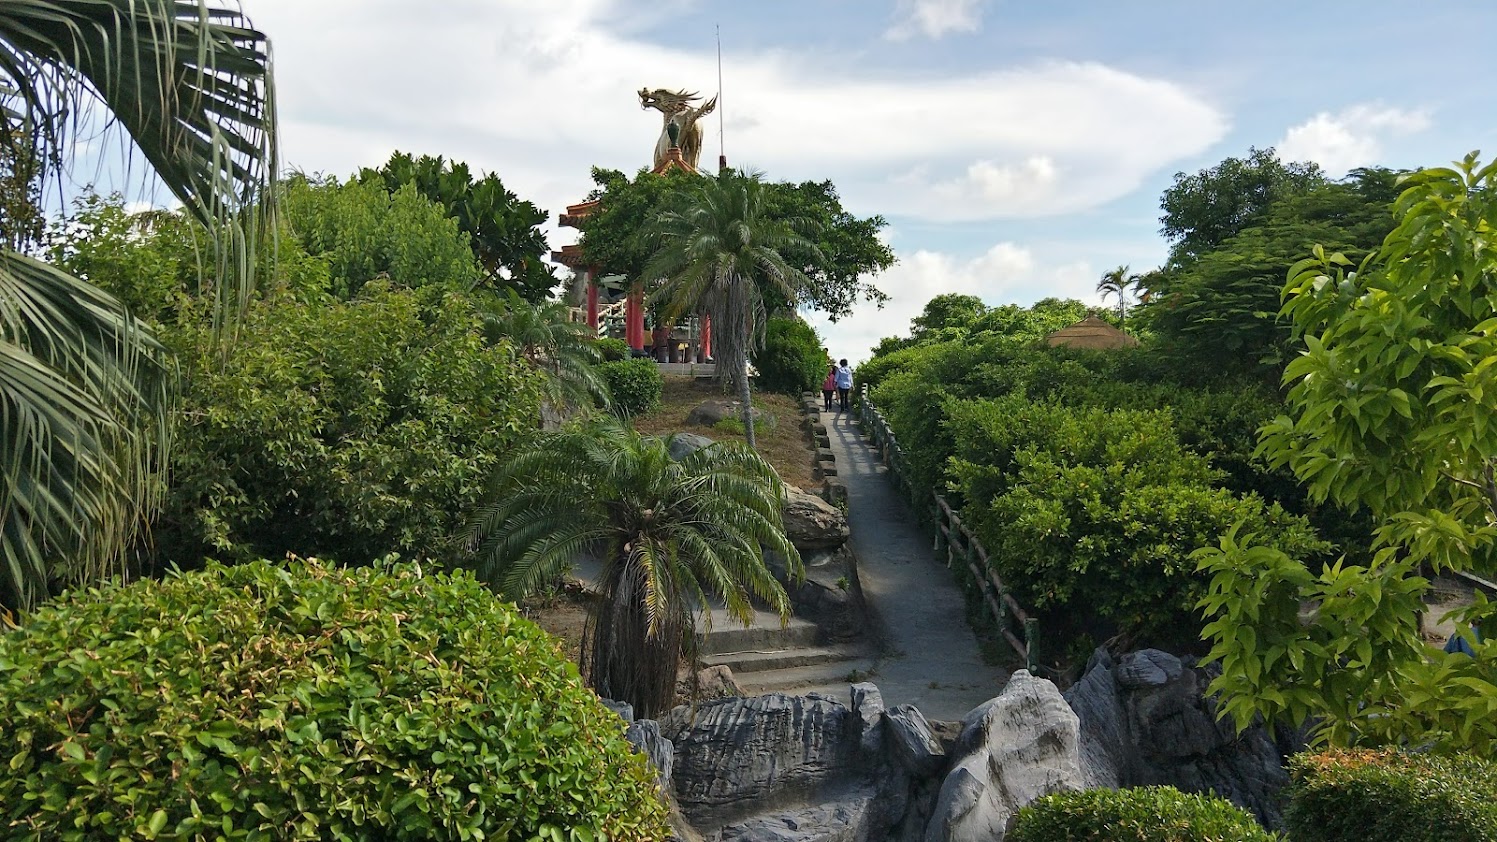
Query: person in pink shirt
point(829, 386)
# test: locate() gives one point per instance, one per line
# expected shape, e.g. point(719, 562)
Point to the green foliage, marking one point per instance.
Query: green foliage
point(305, 702)
point(1091, 512)
point(612, 349)
point(1391, 410)
point(792, 359)
point(1202, 211)
point(544, 335)
point(947, 310)
point(345, 429)
point(87, 390)
point(840, 252)
point(1144, 814)
point(672, 534)
point(1223, 304)
point(147, 261)
point(634, 385)
point(503, 231)
point(1355, 796)
point(363, 233)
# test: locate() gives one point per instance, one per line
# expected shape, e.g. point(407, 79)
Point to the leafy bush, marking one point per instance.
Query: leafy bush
point(1357, 796)
point(341, 429)
point(306, 703)
point(636, 385)
point(612, 349)
point(1096, 512)
point(1146, 814)
point(792, 359)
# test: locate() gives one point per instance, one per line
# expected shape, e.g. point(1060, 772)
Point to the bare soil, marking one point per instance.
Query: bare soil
point(786, 444)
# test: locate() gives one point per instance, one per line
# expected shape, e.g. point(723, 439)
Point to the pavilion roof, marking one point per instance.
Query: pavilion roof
point(1092, 333)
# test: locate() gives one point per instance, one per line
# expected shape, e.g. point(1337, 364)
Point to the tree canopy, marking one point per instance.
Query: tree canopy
point(843, 253)
point(503, 230)
point(1202, 210)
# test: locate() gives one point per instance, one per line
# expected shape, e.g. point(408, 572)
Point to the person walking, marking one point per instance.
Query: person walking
point(844, 384)
point(828, 387)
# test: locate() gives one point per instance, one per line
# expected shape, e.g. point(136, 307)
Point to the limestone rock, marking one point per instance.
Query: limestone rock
point(867, 714)
point(707, 413)
point(1018, 747)
point(738, 757)
point(914, 743)
point(716, 683)
point(1145, 721)
point(812, 523)
point(644, 735)
point(850, 818)
point(623, 709)
point(685, 444)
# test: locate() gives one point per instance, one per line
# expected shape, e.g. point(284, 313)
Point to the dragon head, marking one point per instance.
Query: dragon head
point(666, 101)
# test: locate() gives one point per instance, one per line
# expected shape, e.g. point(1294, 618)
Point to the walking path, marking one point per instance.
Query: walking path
point(931, 657)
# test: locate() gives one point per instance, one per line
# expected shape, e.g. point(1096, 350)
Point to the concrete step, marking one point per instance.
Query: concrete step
point(764, 633)
point(744, 663)
point(831, 678)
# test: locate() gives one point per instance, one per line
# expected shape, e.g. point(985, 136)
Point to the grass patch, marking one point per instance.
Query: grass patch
point(785, 444)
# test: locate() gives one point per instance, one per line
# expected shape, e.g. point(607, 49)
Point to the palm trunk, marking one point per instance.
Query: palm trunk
point(744, 396)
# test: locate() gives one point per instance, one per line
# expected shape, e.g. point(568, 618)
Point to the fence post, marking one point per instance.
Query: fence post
point(1032, 644)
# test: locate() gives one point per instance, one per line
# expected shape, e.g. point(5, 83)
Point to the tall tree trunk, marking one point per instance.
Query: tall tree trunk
point(746, 399)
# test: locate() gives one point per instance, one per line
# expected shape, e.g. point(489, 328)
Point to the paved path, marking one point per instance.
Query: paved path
point(931, 659)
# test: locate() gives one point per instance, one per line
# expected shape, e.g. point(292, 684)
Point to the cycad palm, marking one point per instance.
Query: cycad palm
point(83, 388)
point(670, 533)
point(545, 336)
point(718, 250)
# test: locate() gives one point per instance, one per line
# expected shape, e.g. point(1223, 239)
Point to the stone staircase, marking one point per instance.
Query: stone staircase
point(767, 657)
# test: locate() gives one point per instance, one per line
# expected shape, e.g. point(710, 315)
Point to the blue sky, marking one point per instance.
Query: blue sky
point(1018, 150)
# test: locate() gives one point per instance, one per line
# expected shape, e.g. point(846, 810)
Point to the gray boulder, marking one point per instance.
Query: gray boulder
point(708, 413)
point(812, 523)
point(1015, 748)
point(868, 715)
point(685, 444)
point(644, 735)
point(916, 747)
point(1145, 721)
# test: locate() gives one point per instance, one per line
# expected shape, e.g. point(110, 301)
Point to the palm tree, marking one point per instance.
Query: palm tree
point(670, 534)
point(84, 388)
point(1118, 282)
point(719, 250)
point(545, 336)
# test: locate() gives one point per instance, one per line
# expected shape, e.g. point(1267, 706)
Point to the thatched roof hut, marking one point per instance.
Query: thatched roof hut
point(1091, 333)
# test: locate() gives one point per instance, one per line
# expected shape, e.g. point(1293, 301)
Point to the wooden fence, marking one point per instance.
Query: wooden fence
point(954, 543)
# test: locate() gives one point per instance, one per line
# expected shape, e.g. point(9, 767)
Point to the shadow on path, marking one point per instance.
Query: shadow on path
point(931, 657)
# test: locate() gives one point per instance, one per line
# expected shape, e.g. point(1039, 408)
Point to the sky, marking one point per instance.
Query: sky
point(1018, 150)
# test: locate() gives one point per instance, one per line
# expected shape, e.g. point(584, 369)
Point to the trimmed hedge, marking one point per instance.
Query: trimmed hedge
point(792, 359)
point(612, 349)
point(1145, 814)
point(1360, 796)
point(635, 385)
point(305, 702)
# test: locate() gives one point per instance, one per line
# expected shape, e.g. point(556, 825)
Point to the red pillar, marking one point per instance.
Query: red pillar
point(634, 319)
point(706, 336)
point(592, 299)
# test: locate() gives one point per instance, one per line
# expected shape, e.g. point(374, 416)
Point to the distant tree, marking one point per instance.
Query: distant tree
point(1118, 282)
point(719, 250)
point(847, 249)
point(1224, 303)
point(21, 216)
point(671, 534)
point(546, 338)
point(1202, 210)
point(503, 230)
point(949, 309)
point(1034, 322)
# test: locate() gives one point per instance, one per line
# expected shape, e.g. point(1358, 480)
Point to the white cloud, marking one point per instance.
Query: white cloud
point(1006, 273)
point(1352, 137)
point(935, 18)
point(538, 93)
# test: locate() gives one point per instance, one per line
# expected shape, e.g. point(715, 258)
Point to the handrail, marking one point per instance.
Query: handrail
point(955, 541)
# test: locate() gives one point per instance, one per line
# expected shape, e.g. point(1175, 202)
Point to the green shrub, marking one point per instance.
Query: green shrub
point(1146, 814)
point(792, 359)
point(304, 702)
point(340, 429)
point(1360, 796)
point(1093, 513)
point(612, 349)
point(636, 385)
